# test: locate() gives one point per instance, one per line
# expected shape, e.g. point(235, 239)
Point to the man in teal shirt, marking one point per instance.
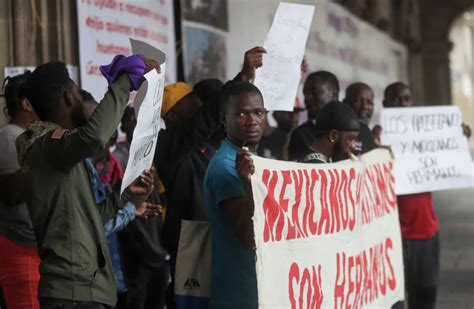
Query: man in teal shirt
point(229, 199)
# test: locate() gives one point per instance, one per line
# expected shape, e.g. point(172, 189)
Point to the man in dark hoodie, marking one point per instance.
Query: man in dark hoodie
point(184, 182)
point(75, 264)
point(186, 148)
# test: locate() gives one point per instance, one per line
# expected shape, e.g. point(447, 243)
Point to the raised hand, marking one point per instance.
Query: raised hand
point(304, 66)
point(466, 129)
point(244, 164)
point(253, 59)
point(141, 188)
point(151, 64)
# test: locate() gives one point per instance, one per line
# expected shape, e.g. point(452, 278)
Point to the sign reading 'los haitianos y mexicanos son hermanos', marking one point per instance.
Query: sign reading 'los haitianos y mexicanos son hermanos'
point(431, 152)
point(327, 235)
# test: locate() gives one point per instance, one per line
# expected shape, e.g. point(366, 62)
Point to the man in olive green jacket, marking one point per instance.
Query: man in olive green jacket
point(76, 269)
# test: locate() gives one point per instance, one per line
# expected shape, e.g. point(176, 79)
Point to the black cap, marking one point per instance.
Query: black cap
point(337, 116)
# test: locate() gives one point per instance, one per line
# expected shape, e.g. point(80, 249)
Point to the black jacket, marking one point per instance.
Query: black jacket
point(300, 141)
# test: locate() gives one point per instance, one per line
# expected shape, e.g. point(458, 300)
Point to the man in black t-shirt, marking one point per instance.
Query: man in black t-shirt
point(275, 140)
point(360, 97)
point(319, 89)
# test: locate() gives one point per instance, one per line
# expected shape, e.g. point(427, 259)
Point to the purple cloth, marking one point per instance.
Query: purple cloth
point(133, 65)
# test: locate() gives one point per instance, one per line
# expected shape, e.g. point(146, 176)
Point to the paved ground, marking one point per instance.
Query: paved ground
point(455, 210)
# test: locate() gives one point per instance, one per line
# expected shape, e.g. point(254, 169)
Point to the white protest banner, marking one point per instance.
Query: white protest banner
point(431, 152)
point(104, 30)
point(327, 235)
point(280, 74)
point(149, 123)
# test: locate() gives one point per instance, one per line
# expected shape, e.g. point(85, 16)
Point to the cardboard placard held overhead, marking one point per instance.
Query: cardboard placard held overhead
point(148, 102)
point(285, 44)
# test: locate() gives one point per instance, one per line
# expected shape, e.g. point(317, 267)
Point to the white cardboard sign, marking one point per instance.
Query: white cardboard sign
point(285, 44)
point(431, 152)
point(149, 123)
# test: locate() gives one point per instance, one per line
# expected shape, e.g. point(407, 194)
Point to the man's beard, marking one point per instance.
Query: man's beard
point(338, 153)
point(78, 116)
point(314, 114)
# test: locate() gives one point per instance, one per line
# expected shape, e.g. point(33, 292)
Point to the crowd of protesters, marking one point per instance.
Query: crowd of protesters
point(68, 239)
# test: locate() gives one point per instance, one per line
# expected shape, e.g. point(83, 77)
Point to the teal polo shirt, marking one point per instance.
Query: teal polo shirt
point(234, 279)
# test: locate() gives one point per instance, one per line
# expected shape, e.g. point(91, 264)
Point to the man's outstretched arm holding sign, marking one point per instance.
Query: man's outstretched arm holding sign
point(229, 198)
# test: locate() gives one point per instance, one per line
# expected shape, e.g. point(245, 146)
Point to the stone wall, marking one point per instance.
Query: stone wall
point(423, 26)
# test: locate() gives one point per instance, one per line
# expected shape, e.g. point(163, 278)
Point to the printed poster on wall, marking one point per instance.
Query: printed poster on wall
point(104, 31)
point(204, 33)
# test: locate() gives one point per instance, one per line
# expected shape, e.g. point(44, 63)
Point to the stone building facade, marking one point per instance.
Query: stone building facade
point(35, 31)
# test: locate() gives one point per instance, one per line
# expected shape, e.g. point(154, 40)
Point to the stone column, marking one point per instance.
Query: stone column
point(436, 72)
point(358, 7)
point(380, 14)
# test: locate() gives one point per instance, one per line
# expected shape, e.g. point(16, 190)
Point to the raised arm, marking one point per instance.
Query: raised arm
point(253, 59)
point(66, 148)
point(239, 210)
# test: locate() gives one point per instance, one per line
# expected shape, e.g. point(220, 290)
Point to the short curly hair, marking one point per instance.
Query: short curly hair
point(47, 84)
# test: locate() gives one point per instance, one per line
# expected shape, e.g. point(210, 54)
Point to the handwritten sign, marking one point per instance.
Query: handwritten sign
point(430, 149)
point(280, 75)
point(149, 123)
point(327, 235)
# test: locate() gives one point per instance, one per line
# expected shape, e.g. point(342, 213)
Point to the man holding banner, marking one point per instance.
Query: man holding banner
point(229, 199)
point(418, 221)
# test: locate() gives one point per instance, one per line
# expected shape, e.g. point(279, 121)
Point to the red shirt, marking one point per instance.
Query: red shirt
point(110, 171)
point(417, 216)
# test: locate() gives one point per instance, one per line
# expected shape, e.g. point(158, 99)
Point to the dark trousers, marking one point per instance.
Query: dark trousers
point(421, 259)
point(146, 287)
point(170, 298)
point(54, 303)
point(2, 300)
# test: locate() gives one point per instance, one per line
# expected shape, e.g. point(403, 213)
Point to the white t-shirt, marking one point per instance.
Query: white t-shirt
point(8, 159)
point(15, 222)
